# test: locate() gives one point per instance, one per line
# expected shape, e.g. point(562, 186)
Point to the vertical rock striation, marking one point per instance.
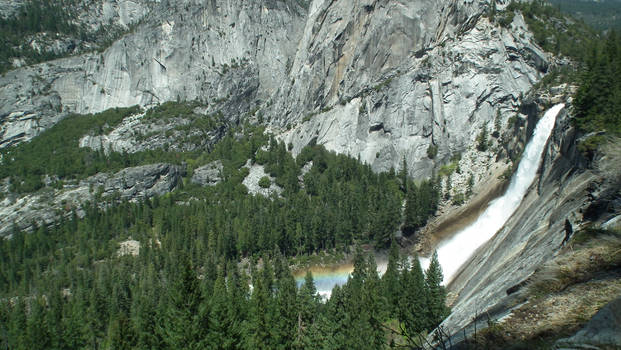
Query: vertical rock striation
point(378, 80)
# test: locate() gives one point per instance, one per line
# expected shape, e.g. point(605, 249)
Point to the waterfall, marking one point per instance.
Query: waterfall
point(455, 251)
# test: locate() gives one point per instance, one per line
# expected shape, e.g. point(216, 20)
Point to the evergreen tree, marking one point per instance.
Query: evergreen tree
point(261, 310)
point(219, 322)
point(390, 279)
point(373, 307)
point(309, 301)
point(286, 320)
point(413, 302)
point(186, 320)
point(403, 175)
point(37, 331)
point(436, 299)
point(412, 217)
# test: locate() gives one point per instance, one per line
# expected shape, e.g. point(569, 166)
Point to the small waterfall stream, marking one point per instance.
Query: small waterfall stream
point(455, 251)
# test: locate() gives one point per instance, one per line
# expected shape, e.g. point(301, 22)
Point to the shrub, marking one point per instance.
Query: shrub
point(432, 151)
point(459, 199)
point(265, 182)
point(482, 143)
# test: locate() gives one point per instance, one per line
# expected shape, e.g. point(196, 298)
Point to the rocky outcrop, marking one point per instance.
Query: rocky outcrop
point(603, 330)
point(95, 23)
point(9, 7)
point(129, 247)
point(208, 175)
point(438, 84)
point(137, 134)
point(251, 181)
point(138, 182)
point(47, 206)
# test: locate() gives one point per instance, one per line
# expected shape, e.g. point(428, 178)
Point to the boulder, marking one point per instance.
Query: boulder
point(208, 175)
point(602, 331)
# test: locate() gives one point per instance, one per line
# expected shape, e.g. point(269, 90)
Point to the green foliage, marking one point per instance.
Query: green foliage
point(505, 18)
point(448, 169)
point(491, 11)
point(412, 307)
point(470, 185)
point(185, 289)
point(56, 151)
point(49, 17)
point(382, 85)
point(601, 15)
point(436, 300)
point(597, 102)
point(432, 151)
point(35, 16)
point(265, 182)
point(185, 318)
point(554, 31)
point(390, 279)
point(482, 142)
point(420, 203)
point(459, 199)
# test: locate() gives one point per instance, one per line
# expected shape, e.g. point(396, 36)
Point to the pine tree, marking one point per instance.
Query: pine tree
point(412, 211)
point(261, 311)
point(238, 294)
point(286, 320)
point(17, 324)
point(403, 175)
point(373, 307)
point(185, 321)
point(308, 301)
point(219, 322)
point(37, 331)
point(413, 301)
point(437, 309)
point(390, 279)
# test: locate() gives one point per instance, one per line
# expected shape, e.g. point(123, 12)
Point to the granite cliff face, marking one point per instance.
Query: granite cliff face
point(183, 50)
point(379, 80)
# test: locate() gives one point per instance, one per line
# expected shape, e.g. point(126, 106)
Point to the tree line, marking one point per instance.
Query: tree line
point(163, 299)
point(597, 103)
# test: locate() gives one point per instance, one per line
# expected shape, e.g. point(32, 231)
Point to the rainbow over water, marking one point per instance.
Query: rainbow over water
point(326, 277)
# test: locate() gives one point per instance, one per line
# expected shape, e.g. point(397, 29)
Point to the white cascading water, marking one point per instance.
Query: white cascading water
point(456, 250)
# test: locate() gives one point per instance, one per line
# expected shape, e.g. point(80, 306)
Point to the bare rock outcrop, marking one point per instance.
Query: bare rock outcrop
point(209, 174)
point(47, 206)
point(376, 80)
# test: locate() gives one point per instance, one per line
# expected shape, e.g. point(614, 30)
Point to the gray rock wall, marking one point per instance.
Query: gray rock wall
point(184, 50)
point(443, 98)
point(603, 330)
point(375, 79)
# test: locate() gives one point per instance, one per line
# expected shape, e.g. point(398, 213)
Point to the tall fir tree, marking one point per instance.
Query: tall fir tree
point(390, 279)
point(437, 309)
point(186, 319)
point(413, 302)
